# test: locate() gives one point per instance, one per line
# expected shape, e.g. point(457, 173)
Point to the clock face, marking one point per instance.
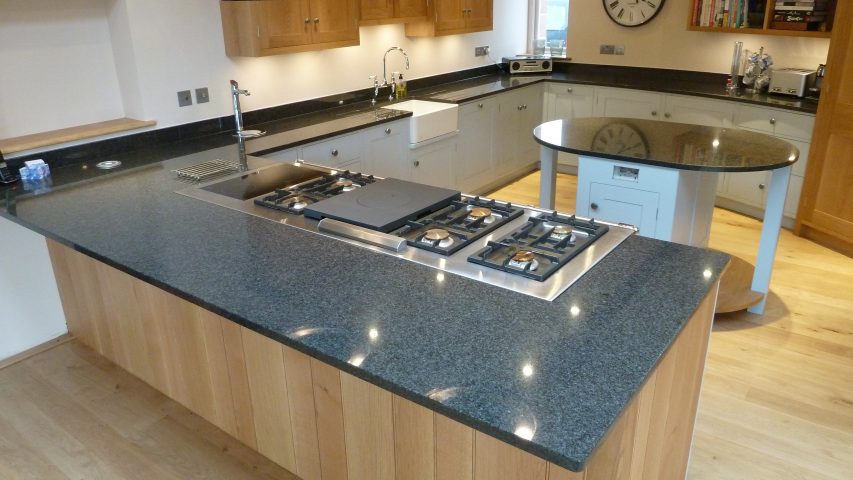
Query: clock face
point(632, 13)
point(620, 139)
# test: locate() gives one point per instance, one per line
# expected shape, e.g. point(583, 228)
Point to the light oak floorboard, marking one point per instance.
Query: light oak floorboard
point(68, 413)
point(777, 397)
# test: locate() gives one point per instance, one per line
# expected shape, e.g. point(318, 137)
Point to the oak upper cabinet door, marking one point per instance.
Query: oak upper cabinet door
point(334, 21)
point(377, 9)
point(450, 14)
point(479, 15)
point(285, 24)
point(410, 8)
point(699, 111)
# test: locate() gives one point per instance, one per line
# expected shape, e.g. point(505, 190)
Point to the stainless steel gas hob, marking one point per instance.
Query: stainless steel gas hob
point(520, 248)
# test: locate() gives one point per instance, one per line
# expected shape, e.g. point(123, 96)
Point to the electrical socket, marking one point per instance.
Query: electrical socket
point(481, 51)
point(607, 49)
point(619, 50)
point(201, 95)
point(185, 98)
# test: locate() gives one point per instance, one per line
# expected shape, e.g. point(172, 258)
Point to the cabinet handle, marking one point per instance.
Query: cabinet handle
point(307, 20)
point(519, 108)
point(480, 105)
point(593, 206)
point(761, 186)
point(667, 114)
point(772, 121)
point(417, 163)
point(570, 89)
point(387, 131)
point(654, 113)
point(316, 20)
point(335, 152)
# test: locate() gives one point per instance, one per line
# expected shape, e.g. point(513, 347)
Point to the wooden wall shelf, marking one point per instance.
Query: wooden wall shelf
point(765, 28)
point(55, 137)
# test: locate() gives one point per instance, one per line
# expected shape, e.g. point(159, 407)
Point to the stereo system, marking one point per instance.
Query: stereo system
point(528, 64)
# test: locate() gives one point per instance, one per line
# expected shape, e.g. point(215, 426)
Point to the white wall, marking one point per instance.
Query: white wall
point(56, 66)
point(30, 310)
point(666, 43)
point(111, 58)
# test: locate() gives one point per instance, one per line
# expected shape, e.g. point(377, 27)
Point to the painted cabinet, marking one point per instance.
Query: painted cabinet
point(698, 111)
point(385, 147)
point(433, 164)
point(450, 17)
point(619, 102)
point(568, 101)
point(747, 192)
point(473, 165)
point(269, 27)
point(519, 112)
point(380, 12)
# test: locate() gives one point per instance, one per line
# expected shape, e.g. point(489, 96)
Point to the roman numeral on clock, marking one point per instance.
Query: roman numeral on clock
point(614, 4)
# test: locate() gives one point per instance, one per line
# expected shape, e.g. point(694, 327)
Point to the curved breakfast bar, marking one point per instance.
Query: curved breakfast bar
point(662, 176)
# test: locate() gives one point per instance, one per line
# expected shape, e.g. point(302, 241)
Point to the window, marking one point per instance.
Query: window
point(548, 27)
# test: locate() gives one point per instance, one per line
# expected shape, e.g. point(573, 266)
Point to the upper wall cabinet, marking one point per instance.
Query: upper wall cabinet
point(449, 17)
point(270, 27)
point(380, 12)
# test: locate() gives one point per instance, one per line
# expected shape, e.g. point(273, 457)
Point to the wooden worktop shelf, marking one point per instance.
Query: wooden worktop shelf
point(55, 137)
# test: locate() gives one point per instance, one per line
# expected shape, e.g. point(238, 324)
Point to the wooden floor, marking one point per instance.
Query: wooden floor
point(68, 413)
point(777, 399)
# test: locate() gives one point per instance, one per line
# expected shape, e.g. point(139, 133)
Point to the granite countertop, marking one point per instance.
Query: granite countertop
point(590, 349)
point(668, 144)
point(656, 80)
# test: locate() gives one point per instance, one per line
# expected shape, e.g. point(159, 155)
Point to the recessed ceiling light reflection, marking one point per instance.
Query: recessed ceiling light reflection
point(707, 273)
point(575, 310)
point(792, 157)
point(525, 432)
point(716, 143)
point(373, 334)
point(439, 277)
point(527, 370)
point(356, 360)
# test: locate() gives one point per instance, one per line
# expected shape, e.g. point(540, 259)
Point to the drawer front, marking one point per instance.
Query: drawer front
point(799, 168)
point(288, 155)
point(776, 122)
point(336, 152)
point(630, 175)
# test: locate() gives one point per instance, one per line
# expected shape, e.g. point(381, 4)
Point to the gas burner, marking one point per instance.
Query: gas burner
point(561, 231)
point(346, 185)
point(524, 260)
point(297, 203)
point(481, 213)
point(438, 237)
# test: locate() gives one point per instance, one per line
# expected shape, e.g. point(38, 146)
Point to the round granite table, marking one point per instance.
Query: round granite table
point(662, 177)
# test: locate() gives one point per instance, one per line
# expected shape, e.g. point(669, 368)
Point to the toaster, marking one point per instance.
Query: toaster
point(528, 63)
point(792, 81)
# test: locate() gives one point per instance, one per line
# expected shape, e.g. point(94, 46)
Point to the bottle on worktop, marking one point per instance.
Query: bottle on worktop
point(402, 87)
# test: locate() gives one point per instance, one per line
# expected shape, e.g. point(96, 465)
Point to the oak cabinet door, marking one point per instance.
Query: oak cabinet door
point(285, 24)
point(450, 14)
point(377, 9)
point(410, 8)
point(479, 14)
point(334, 20)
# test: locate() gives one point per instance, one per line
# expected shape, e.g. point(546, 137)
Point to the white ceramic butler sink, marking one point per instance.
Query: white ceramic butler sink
point(429, 119)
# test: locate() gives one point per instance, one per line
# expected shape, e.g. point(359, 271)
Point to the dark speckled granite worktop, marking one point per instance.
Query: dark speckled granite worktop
point(275, 279)
point(668, 144)
point(590, 349)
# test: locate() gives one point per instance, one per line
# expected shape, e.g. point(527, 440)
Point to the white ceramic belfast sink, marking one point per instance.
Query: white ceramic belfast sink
point(429, 120)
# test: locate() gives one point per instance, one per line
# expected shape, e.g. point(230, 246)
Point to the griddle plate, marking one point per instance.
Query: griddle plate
point(384, 205)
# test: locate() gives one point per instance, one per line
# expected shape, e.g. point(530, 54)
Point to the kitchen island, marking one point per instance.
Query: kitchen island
point(404, 369)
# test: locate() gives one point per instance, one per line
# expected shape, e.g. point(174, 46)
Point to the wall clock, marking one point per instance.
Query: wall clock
point(620, 139)
point(632, 13)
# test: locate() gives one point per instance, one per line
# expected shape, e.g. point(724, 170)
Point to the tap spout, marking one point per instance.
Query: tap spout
point(385, 59)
